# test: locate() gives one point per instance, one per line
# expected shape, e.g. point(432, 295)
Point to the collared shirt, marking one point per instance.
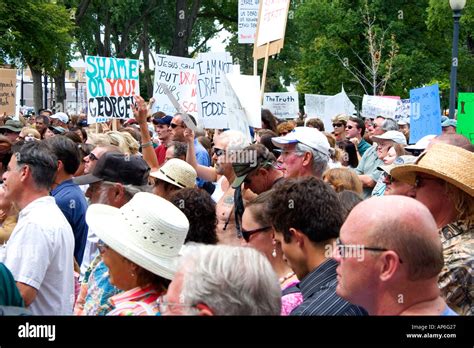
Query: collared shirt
point(363, 146)
point(319, 293)
point(137, 301)
point(455, 280)
point(368, 166)
point(73, 204)
point(96, 290)
point(202, 158)
point(39, 253)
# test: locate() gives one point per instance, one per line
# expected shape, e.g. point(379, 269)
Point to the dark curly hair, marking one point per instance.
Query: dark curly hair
point(306, 204)
point(200, 210)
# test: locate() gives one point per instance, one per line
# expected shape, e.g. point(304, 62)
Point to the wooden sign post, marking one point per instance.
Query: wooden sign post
point(270, 38)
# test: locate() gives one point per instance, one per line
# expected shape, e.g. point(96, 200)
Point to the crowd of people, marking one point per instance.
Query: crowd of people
point(145, 216)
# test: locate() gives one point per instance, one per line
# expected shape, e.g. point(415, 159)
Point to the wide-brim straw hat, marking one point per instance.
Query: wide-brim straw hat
point(447, 162)
point(149, 231)
point(176, 172)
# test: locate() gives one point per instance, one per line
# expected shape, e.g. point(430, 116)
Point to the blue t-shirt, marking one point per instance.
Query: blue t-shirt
point(202, 157)
point(73, 204)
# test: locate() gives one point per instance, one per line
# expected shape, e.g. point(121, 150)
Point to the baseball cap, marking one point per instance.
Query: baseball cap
point(305, 135)
point(395, 136)
point(117, 167)
point(421, 144)
point(261, 158)
point(61, 116)
point(166, 120)
point(446, 122)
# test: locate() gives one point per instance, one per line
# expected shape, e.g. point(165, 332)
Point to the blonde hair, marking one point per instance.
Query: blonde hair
point(462, 201)
point(124, 141)
point(98, 139)
point(343, 179)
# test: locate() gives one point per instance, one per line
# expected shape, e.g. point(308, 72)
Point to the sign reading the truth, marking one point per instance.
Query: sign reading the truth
point(112, 84)
point(282, 105)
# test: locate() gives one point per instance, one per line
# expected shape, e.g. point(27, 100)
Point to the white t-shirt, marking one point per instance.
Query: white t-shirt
point(40, 252)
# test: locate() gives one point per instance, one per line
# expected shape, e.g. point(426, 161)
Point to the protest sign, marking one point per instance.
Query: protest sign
point(373, 106)
point(272, 21)
point(112, 84)
point(314, 104)
point(212, 109)
point(237, 119)
point(465, 116)
point(335, 105)
point(425, 112)
point(402, 114)
point(7, 91)
point(248, 19)
point(247, 88)
point(179, 75)
point(186, 119)
point(282, 105)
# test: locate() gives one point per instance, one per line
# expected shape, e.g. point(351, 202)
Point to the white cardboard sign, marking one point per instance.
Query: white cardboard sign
point(282, 105)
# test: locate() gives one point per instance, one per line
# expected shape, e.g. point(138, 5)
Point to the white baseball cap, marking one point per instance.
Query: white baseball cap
point(395, 136)
point(305, 135)
point(421, 144)
point(61, 116)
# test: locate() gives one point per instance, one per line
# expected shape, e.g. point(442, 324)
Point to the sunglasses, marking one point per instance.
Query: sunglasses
point(218, 152)
point(337, 125)
point(174, 125)
point(246, 234)
point(93, 157)
point(349, 127)
point(388, 178)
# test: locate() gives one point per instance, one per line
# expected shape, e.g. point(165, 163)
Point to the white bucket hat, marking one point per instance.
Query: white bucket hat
point(148, 231)
point(176, 172)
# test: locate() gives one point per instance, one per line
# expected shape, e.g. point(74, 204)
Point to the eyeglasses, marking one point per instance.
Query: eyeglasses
point(218, 152)
point(246, 234)
point(93, 157)
point(174, 125)
point(388, 178)
point(102, 246)
point(349, 127)
point(337, 125)
point(419, 181)
point(165, 306)
point(346, 250)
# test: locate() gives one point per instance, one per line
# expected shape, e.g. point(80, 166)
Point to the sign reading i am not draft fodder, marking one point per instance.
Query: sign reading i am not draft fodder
point(465, 123)
point(112, 84)
point(7, 91)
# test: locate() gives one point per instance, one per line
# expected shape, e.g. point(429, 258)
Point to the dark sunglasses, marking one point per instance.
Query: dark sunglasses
point(174, 125)
point(246, 234)
point(337, 125)
point(218, 152)
point(93, 157)
point(349, 127)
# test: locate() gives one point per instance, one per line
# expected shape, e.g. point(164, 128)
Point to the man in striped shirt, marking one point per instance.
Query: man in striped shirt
point(307, 216)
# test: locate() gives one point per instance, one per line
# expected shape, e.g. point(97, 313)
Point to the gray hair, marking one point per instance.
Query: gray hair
point(130, 190)
point(320, 160)
point(389, 124)
point(235, 140)
point(179, 149)
point(230, 280)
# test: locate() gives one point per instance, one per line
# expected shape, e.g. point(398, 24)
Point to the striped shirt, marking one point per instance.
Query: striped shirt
point(137, 301)
point(319, 293)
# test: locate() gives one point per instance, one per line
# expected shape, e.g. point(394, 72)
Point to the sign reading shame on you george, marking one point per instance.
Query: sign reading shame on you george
point(112, 84)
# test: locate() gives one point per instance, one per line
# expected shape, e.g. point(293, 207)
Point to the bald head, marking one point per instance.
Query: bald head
point(403, 225)
point(453, 139)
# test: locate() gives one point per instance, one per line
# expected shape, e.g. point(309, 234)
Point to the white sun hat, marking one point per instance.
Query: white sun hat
point(148, 230)
point(177, 172)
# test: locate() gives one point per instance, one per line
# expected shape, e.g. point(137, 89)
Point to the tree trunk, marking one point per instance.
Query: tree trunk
point(179, 47)
point(37, 88)
point(146, 58)
point(60, 82)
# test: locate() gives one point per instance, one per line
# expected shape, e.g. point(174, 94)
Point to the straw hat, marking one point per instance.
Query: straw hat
point(148, 230)
point(177, 172)
point(447, 162)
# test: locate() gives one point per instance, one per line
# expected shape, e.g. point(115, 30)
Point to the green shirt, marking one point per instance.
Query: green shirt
point(362, 147)
point(9, 294)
